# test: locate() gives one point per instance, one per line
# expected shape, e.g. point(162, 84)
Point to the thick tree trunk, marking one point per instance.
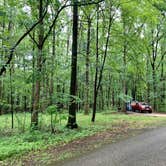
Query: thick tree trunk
point(73, 84)
point(34, 117)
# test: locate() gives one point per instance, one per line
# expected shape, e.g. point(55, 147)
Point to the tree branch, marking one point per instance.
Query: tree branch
point(162, 57)
point(59, 11)
point(33, 39)
point(3, 69)
point(111, 19)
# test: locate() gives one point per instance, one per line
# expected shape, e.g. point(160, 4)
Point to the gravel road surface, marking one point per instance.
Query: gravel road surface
point(146, 149)
point(147, 114)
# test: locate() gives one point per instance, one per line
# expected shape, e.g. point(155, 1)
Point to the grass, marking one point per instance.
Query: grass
point(21, 140)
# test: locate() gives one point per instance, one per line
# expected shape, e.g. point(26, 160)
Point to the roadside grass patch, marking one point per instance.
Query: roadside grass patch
point(15, 143)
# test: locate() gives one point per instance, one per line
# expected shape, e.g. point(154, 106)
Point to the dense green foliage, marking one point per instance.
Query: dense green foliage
point(119, 56)
point(134, 64)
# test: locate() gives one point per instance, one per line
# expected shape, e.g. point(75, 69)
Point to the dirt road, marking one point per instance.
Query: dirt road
point(146, 149)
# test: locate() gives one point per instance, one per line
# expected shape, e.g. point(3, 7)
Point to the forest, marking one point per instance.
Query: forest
point(60, 58)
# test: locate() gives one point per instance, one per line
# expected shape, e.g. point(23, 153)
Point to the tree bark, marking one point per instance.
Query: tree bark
point(154, 88)
point(73, 82)
point(98, 81)
point(96, 69)
point(34, 117)
point(52, 67)
point(86, 104)
point(124, 61)
point(11, 98)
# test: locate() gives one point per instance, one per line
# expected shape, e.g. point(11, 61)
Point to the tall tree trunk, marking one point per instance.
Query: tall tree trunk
point(86, 104)
point(2, 54)
point(147, 81)
point(33, 76)
point(73, 82)
point(102, 98)
point(97, 85)
point(113, 97)
point(109, 92)
point(163, 87)
point(124, 62)
point(134, 90)
point(34, 117)
point(96, 69)
point(52, 66)
point(153, 65)
point(154, 88)
point(25, 91)
point(163, 80)
point(11, 98)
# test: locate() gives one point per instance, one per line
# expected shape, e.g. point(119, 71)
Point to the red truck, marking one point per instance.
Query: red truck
point(141, 107)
